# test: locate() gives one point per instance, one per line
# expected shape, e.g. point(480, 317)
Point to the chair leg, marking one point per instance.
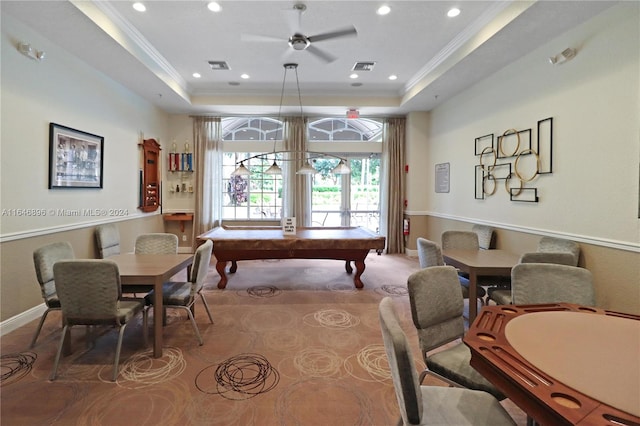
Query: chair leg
point(145, 324)
point(44, 316)
point(206, 306)
point(54, 371)
point(193, 322)
point(117, 358)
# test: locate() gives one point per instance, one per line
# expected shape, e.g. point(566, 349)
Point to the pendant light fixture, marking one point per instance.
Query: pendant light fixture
point(308, 156)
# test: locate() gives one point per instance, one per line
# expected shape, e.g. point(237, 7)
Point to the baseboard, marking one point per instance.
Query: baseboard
point(21, 319)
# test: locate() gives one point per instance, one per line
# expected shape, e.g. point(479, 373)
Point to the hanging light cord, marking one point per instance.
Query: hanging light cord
point(307, 155)
point(299, 95)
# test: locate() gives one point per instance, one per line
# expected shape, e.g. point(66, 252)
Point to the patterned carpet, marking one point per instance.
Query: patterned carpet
point(293, 343)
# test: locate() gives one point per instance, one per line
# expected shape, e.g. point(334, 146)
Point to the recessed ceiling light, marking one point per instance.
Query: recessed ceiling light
point(354, 75)
point(453, 12)
point(196, 75)
point(245, 76)
point(383, 10)
point(393, 77)
point(139, 6)
point(214, 7)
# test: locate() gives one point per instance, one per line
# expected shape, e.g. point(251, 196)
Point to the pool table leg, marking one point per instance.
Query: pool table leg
point(347, 267)
point(220, 267)
point(234, 267)
point(359, 270)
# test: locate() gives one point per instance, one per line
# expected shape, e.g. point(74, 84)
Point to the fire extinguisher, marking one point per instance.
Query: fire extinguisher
point(405, 229)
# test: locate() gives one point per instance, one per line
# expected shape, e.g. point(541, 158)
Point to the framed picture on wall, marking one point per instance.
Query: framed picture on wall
point(75, 158)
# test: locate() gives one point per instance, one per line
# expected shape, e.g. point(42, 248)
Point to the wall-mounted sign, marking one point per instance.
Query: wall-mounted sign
point(442, 177)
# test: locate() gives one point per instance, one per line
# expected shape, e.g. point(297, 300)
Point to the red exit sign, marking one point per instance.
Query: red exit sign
point(353, 113)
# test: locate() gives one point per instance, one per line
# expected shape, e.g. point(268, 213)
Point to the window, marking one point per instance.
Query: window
point(347, 200)
point(345, 129)
point(256, 197)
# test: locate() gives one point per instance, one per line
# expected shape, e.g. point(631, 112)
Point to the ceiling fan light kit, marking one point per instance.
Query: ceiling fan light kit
point(300, 42)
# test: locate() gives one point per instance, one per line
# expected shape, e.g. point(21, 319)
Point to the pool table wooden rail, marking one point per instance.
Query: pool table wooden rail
point(351, 244)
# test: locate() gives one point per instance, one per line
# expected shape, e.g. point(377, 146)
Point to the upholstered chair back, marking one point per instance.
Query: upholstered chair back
point(107, 240)
point(403, 369)
point(88, 290)
point(44, 258)
point(465, 240)
point(436, 306)
point(156, 243)
point(538, 283)
point(559, 258)
point(200, 266)
point(486, 236)
point(560, 245)
point(429, 253)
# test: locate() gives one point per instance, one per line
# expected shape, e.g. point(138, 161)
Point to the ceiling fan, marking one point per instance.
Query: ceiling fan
point(298, 41)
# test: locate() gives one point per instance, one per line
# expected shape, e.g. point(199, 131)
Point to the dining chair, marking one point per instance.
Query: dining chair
point(436, 310)
point(486, 236)
point(90, 294)
point(156, 243)
point(431, 405)
point(501, 295)
point(153, 243)
point(559, 245)
point(539, 283)
point(183, 295)
point(107, 239)
point(43, 259)
point(430, 254)
point(465, 240)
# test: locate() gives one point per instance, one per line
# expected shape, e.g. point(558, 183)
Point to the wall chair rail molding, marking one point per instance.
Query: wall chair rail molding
point(514, 161)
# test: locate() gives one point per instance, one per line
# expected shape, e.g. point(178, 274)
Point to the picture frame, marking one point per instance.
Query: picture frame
point(75, 158)
point(442, 178)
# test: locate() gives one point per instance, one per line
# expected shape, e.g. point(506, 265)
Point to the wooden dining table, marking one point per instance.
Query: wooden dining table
point(480, 263)
point(151, 269)
point(562, 364)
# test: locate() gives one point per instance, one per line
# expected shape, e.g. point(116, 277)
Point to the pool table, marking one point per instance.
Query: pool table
point(351, 244)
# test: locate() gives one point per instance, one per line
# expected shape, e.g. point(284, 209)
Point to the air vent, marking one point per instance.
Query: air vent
point(364, 66)
point(218, 65)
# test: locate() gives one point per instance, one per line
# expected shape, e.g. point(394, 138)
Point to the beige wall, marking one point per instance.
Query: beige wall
point(64, 90)
point(20, 290)
point(592, 195)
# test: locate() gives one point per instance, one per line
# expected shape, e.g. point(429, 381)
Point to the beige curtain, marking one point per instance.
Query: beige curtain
point(208, 174)
point(296, 188)
point(393, 184)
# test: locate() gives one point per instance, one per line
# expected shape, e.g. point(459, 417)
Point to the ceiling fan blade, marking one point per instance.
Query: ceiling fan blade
point(345, 32)
point(258, 37)
point(328, 58)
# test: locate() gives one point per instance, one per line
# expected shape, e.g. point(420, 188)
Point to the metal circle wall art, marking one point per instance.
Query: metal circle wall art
point(511, 151)
point(488, 178)
point(510, 190)
point(501, 142)
point(488, 150)
point(535, 173)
